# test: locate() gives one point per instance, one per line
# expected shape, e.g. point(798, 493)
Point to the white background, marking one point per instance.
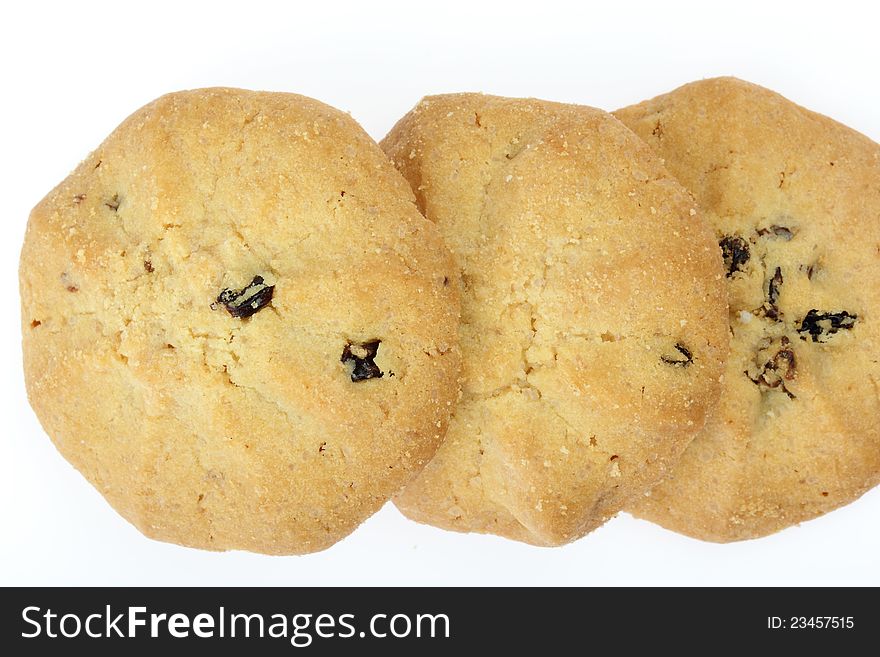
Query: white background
point(72, 72)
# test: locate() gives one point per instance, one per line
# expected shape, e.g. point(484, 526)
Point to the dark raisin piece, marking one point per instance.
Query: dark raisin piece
point(773, 287)
point(778, 369)
point(148, 266)
point(684, 360)
point(360, 356)
point(735, 251)
point(113, 203)
point(781, 367)
point(785, 362)
point(770, 309)
point(245, 302)
point(780, 232)
point(820, 326)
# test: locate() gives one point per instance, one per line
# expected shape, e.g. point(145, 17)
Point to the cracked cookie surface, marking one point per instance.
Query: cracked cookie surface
point(593, 313)
point(794, 198)
point(187, 293)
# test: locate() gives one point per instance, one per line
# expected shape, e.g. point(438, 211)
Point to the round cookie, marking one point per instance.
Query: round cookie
point(794, 199)
point(593, 314)
point(236, 323)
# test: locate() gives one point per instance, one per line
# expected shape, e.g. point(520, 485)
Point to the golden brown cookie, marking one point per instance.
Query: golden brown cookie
point(593, 313)
point(236, 323)
point(794, 199)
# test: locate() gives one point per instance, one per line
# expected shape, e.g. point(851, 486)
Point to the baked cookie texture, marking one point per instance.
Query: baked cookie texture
point(794, 199)
point(236, 323)
point(593, 314)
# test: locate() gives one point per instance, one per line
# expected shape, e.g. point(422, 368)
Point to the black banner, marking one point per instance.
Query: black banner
point(434, 621)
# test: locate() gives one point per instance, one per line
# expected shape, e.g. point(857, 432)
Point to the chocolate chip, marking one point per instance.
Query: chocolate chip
point(820, 326)
point(780, 232)
point(245, 302)
point(148, 265)
point(684, 360)
point(35, 323)
point(735, 251)
point(360, 356)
